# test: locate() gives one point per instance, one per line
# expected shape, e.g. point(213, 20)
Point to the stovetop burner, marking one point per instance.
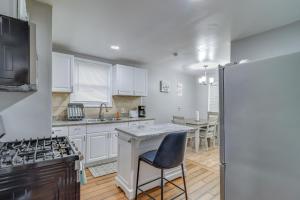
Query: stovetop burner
point(37, 150)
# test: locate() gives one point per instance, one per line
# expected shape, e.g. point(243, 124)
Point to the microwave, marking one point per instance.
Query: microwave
point(18, 58)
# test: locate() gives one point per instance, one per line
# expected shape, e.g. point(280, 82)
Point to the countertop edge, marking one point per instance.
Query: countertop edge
point(134, 136)
point(78, 123)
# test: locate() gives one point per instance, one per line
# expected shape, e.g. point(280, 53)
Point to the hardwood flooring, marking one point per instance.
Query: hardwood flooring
point(202, 181)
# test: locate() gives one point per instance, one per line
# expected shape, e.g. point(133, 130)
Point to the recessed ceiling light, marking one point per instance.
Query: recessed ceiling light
point(115, 47)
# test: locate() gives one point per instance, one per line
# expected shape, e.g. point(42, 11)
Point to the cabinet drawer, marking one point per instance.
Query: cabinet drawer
point(120, 125)
point(77, 130)
point(96, 128)
point(60, 131)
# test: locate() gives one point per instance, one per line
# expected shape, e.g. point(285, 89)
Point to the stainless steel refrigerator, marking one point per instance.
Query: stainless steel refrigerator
point(260, 129)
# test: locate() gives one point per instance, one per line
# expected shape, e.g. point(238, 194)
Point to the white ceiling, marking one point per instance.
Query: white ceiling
point(150, 31)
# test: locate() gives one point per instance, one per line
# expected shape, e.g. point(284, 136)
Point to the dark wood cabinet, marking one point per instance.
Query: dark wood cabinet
point(14, 51)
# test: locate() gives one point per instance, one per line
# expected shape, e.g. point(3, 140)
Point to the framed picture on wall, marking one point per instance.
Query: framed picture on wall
point(164, 86)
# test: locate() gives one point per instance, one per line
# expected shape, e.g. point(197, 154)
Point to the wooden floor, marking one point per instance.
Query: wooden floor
point(202, 181)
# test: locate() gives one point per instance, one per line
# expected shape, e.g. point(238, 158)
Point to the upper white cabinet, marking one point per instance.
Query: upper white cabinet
point(129, 81)
point(123, 83)
point(62, 65)
point(140, 82)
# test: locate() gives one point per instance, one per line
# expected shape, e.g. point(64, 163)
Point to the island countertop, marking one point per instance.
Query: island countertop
point(143, 132)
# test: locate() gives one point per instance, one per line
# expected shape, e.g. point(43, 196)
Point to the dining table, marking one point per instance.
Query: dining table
point(197, 125)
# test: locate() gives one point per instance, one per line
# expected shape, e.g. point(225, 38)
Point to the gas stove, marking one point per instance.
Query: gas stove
point(39, 168)
point(31, 151)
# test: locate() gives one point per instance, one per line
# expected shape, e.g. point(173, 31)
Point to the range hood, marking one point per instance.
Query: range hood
point(17, 55)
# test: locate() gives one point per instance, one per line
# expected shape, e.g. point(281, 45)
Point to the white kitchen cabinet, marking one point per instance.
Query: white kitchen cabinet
point(62, 65)
point(62, 131)
point(123, 82)
point(130, 81)
point(97, 147)
point(77, 130)
point(80, 143)
point(113, 146)
point(140, 82)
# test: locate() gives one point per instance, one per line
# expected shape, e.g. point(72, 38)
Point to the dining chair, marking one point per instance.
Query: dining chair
point(181, 121)
point(210, 131)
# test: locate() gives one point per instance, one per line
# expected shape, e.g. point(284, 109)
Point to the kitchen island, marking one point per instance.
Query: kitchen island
point(134, 141)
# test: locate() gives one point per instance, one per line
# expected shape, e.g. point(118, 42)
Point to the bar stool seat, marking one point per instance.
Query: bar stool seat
point(148, 157)
point(169, 155)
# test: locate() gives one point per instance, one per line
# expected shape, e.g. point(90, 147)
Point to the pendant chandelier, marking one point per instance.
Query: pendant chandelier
point(204, 80)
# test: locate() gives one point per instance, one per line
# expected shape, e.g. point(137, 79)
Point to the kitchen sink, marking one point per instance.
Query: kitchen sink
point(96, 120)
point(102, 120)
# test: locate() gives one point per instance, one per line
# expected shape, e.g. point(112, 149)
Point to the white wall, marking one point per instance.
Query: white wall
point(276, 42)
point(29, 114)
point(162, 106)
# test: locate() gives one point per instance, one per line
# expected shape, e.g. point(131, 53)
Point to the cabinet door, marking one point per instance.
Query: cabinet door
point(123, 80)
point(62, 131)
point(61, 72)
point(80, 143)
point(140, 82)
point(97, 147)
point(113, 147)
point(77, 130)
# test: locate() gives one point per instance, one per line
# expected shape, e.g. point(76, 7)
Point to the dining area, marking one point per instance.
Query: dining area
point(205, 132)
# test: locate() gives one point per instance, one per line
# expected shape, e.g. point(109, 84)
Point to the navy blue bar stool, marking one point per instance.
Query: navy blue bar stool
point(170, 154)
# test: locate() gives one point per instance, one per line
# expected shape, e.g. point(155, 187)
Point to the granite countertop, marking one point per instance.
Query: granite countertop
point(95, 121)
point(144, 132)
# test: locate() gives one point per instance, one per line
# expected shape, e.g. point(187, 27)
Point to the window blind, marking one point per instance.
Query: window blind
point(91, 82)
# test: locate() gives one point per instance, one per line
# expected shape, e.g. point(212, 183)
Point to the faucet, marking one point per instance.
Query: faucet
point(101, 116)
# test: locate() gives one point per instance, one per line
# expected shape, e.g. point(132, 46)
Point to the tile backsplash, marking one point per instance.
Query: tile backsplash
point(60, 103)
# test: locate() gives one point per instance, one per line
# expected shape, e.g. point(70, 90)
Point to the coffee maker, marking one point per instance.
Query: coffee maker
point(142, 111)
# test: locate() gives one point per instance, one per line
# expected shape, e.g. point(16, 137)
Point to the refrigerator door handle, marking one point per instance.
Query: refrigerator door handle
point(221, 113)
point(222, 181)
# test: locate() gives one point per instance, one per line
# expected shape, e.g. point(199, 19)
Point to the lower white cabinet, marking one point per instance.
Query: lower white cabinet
point(96, 142)
point(80, 143)
point(60, 131)
point(113, 150)
point(97, 147)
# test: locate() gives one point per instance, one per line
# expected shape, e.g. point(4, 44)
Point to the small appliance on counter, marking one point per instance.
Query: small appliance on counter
point(142, 111)
point(75, 111)
point(133, 114)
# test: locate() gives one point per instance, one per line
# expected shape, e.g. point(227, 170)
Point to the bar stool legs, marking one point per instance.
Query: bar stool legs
point(162, 185)
point(137, 180)
point(162, 179)
point(184, 183)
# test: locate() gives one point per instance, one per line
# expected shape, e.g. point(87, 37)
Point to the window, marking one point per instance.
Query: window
point(213, 98)
point(91, 83)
